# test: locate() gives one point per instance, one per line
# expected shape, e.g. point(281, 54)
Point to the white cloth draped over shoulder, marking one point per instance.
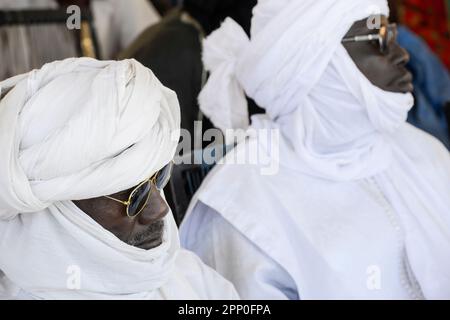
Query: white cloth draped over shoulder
point(339, 134)
point(79, 129)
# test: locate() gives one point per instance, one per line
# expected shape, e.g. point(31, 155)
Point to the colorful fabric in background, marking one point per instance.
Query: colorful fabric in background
point(431, 86)
point(431, 20)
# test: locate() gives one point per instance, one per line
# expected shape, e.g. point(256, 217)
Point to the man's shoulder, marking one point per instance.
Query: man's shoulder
point(421, 146)
point(206, 282)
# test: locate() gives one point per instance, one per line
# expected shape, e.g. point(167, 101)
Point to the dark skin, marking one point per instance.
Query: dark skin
point(386, 71)
point(144, 231)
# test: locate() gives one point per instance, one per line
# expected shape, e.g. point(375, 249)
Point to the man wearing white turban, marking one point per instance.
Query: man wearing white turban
point(85, 129)
point(359, 208)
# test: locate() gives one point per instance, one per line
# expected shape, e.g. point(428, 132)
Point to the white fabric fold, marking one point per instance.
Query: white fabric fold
point(223, 99)
point(60, 253)
point(44, 252)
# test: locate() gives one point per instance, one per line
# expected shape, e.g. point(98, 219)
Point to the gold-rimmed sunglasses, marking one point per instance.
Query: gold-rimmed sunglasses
point(138, 199)
point(386, 35)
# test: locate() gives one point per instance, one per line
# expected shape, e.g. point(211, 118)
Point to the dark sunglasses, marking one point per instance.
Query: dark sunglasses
point(138, 199)
point(386, 36)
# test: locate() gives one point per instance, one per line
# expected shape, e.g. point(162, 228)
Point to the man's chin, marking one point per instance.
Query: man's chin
point(152, 244)
point(150, 238)
point(405, 88)
point(401, 87)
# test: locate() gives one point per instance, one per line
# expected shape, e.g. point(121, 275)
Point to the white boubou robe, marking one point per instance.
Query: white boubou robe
point(291, 235)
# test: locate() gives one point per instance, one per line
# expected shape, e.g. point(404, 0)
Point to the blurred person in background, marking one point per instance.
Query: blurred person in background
point(164, 6)
point(172, 49)
point(118, 23)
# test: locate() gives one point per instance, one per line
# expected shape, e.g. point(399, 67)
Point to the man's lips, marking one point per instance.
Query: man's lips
point(405, 82)
point(406, 78)
point(150, 243)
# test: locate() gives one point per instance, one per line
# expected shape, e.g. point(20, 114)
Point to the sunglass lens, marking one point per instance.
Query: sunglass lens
point(383, 45)
point(139, 199)
point(388, 37)
point(383, 39)
point(163, 176)
point(392, 34)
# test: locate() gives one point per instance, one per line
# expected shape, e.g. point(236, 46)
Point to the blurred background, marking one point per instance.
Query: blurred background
point(120, 21)
point(430, 20)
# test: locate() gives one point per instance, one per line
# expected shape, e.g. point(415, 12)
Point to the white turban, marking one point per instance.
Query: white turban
point(335, 124)
point(79, 129)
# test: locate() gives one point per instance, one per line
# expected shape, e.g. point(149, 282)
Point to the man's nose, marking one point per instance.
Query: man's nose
point(156, 208)
point(400, 55)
